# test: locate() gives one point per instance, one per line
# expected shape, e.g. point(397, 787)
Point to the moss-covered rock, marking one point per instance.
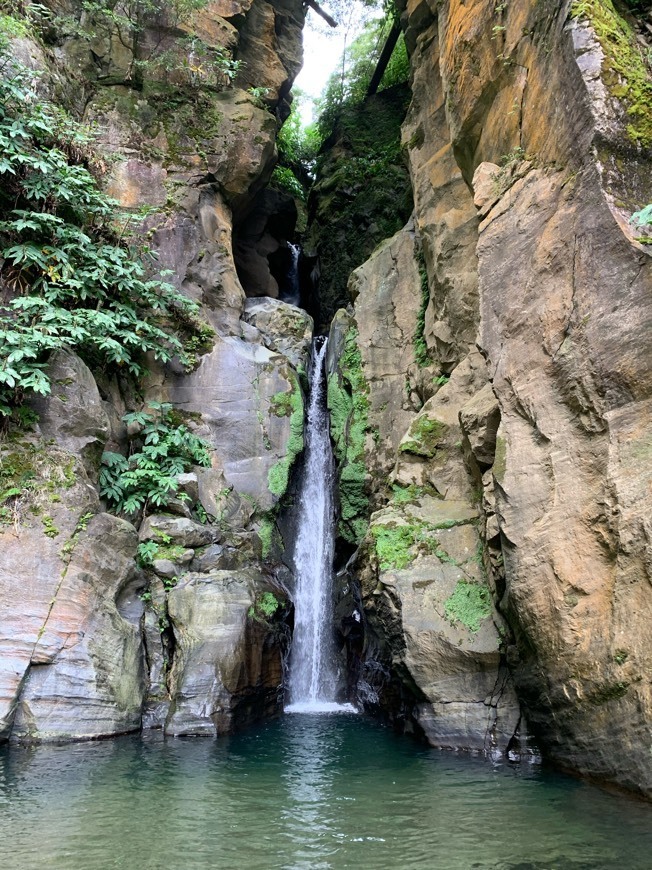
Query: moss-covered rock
point(362, 194)
point(348, 404)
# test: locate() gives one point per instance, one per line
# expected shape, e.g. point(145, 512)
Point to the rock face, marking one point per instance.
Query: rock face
point(527, 155)
point(228, 664)
point(362, 195)
point(72, 658)
point(95, 640)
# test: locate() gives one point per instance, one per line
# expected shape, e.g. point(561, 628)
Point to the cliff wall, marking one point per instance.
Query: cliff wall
point(505, 579)
point(174, 620)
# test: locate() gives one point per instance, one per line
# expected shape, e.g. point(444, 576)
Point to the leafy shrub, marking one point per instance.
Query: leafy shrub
point(284, 179)
point(348, 86)
point(75, 280)
point(164, 448)
point(264, 607)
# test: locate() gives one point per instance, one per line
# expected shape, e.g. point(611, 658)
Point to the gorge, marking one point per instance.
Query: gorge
point(481, 291)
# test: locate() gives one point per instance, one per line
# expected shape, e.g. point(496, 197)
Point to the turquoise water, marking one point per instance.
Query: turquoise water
point(328, 791)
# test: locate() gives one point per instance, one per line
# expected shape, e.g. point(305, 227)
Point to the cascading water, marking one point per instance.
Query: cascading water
point(291, 293)
point(313, 677)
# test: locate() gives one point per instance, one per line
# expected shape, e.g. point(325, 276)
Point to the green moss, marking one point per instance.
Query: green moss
point(393, 546)
point(348, 405)
point(172, 553)
point(625, 71)
point(469, 604)
point(281, 404)
point(409, 494)
point(266, 533)
point(424, 437)
point(397, 546)
point(32, 475)
point(279, 474)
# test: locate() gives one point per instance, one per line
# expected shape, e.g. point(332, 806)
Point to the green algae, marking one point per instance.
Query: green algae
point(292, 406)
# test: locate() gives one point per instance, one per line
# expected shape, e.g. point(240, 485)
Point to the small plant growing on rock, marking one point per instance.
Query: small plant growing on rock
point(643, 221)
point(264, 607)
point(149, 475)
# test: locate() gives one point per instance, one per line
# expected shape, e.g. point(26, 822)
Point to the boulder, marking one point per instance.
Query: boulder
point(73, 666)
point(73, 414)
point(432, 626)
point(227, 668)
point(284, 328)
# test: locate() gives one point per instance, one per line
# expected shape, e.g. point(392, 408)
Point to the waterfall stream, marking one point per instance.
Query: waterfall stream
point(313, 676)
point(292, 293)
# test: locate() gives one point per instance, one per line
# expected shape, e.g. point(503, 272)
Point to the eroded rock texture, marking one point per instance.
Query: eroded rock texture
point(90, 640)
point(528, 151)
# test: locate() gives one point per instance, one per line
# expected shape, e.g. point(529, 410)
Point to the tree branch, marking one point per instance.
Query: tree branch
point(314, 5)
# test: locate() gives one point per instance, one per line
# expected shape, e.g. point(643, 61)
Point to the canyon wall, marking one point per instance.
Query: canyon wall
point(506, 450)
point(178, 622)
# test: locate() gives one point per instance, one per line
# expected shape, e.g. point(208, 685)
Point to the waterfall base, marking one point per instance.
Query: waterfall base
point(320, 707)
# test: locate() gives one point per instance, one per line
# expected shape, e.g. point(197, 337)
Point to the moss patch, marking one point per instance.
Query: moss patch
point(348, 406)
point(625, 71)
point(266, 532)
point(397, 546)
point(33, 475)
point(469, 604)
point(279, 474)
point(410, 494)
point(424, 437)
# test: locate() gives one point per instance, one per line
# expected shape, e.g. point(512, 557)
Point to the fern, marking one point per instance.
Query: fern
point(164, 449)
point(75, 281)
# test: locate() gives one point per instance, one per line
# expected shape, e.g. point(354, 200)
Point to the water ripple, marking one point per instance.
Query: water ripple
point(303, 793)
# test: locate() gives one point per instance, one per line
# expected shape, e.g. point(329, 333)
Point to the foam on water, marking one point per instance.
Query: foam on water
point(319, 707)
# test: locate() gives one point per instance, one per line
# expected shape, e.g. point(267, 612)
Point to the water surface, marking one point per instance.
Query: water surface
point(308, 791)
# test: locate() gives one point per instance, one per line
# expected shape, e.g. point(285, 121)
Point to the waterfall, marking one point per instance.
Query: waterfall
point(313, 677)
point(292, 293)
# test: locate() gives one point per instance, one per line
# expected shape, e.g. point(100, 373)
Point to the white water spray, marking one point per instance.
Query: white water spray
point(313, 677)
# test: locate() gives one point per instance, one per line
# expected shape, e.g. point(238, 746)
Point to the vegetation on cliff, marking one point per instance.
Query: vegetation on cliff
point(163, 449)
point(348, 405)
point(72, 275)
point(626, 66)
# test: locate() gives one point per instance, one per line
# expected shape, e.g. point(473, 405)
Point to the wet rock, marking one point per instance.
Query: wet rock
point(227, 668)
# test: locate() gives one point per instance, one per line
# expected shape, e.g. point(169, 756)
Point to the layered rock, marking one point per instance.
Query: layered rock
point(539, 120)
point(82, 626)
